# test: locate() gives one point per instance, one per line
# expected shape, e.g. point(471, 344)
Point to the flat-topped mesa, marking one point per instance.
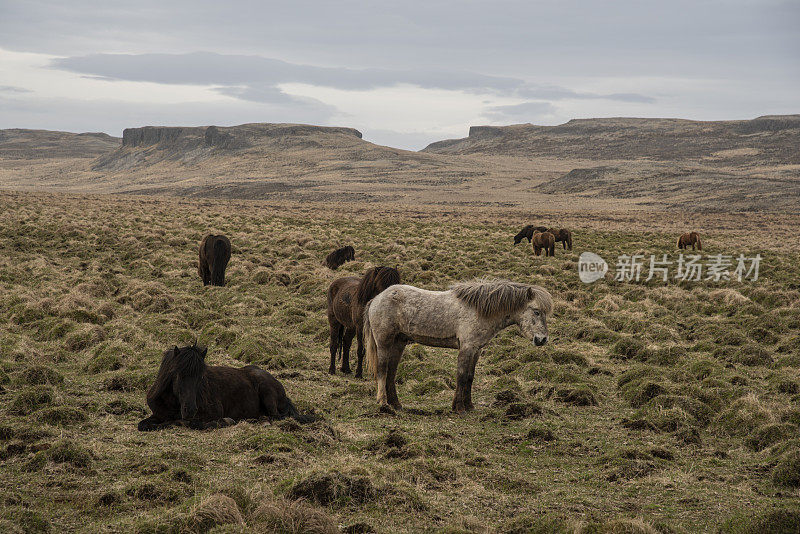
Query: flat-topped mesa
point(485, 131)
point(230, 137)
point(769, 139)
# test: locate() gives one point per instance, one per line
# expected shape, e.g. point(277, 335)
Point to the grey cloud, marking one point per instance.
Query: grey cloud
point(525, 112)
point(13, 89)
point(257, 76)
point(112, 117)
point(628, 37)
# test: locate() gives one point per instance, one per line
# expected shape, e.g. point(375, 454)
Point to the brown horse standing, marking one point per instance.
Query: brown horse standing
point(563, 235)
point(690, 238)
point(215, 253)
point(346, 300)
point(544, 241)
point(190, 393)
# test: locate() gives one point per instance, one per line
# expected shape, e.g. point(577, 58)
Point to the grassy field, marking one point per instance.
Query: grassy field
point(654, 407)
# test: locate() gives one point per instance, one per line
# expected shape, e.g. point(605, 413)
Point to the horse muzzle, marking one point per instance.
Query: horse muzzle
point(539, 340)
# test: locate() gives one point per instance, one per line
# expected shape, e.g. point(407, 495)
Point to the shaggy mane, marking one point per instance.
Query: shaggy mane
point(495, 297)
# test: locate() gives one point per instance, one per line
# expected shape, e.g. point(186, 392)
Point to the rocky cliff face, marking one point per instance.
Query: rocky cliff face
point(192, 144)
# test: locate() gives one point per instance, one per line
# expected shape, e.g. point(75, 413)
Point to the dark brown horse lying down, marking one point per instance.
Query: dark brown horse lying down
point(690, 238)
point(188, 392)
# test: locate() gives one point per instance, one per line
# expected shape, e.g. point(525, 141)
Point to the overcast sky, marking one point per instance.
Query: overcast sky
point(404, 73)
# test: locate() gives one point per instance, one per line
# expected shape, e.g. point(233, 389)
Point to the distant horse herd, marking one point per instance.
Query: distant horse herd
point(383, 316)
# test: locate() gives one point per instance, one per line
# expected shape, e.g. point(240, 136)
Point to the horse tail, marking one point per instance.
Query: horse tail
point(291, 411)
point(218, 262)
point(371, 345)
point(680, 241)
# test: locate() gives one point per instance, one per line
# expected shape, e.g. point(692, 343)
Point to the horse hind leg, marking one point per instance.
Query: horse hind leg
point(347, 341)
point(359, 351)
point(336, 337)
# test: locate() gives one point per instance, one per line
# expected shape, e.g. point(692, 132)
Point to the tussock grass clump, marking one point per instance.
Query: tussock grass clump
point(62, 415)
point(327, 488)
point(577, 396)
point(630, 348)
point(743, 416)
point(787, 470)
point(83, 338)
point(31, 399)
point(40, 374)
point(779, 521)
point(287, 517)
point(214, 511)
point(62, 452)
point(769, 434)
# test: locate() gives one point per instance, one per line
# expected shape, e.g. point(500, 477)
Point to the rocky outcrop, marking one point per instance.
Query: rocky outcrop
point(192, 144)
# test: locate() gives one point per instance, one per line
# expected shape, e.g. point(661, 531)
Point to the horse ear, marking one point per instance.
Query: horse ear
point(175, 350)
point(204, 352)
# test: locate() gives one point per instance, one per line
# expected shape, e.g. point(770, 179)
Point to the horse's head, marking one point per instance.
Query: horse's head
point(517, 238)
point(189, 366)
point(350, 253)
point(532, 318)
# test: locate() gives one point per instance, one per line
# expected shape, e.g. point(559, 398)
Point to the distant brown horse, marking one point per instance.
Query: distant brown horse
point(527, 233)
point(544, 241)
point(215, 253)
point(188, 392)
point(346, 300)
point(340, 256)
point(690, 238)
point(563, 235)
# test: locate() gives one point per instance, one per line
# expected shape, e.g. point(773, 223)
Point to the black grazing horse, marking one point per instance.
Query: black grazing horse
point(527, 233)
point(347, 297)
point(190, 393)
point(215, 253)
point(340, 256)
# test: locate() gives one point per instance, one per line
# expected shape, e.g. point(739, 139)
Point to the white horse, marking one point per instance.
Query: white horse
point(466, 318)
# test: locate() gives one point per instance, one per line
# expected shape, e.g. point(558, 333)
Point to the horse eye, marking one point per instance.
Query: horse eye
point(536, 313)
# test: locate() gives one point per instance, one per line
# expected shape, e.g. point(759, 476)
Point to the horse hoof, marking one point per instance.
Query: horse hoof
point(346, 370)
point(332, 371)
point(227, 421)
point(459, 408)
point(358, 375)
point(385, 408)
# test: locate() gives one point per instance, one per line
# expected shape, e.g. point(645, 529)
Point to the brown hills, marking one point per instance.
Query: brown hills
point(588, 164)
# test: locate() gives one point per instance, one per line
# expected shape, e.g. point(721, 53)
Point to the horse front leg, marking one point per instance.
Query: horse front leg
point(395, 354)
point(462, 401)
point(470, 378)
